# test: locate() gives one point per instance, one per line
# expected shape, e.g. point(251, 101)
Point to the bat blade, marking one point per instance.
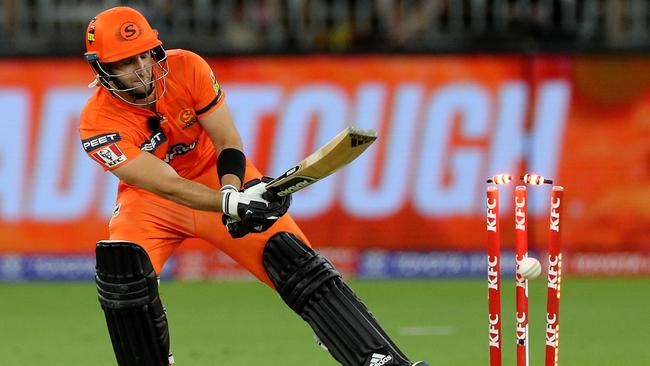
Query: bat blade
point(337, 153)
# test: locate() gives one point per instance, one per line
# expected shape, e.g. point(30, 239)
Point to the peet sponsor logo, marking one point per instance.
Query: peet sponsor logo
point(95, 142)
point(153, 142)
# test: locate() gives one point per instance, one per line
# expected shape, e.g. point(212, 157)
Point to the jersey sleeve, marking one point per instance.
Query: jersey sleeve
point(206, 92)
point(109, 148)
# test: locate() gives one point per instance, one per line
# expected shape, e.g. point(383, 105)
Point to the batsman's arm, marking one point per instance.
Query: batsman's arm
point(224, 135)
point(152, 174)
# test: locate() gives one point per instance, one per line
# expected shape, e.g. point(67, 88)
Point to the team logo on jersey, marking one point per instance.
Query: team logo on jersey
point(110, 155)
point(186, 118)
point(129, 31)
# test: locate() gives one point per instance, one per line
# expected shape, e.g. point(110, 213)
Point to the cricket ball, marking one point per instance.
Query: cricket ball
point(530, 268)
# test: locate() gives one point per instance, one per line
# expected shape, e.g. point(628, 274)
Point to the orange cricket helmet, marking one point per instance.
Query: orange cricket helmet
point(119, 33)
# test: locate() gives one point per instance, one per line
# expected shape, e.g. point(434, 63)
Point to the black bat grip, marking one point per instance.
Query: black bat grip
point(269, 196)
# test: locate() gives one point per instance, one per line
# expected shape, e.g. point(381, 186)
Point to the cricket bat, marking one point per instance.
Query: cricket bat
point(334, 155)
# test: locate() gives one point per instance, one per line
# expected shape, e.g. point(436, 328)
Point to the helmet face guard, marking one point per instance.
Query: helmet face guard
point(110, 81)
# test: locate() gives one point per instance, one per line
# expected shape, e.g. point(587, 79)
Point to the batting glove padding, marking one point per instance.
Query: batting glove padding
point(247, 212)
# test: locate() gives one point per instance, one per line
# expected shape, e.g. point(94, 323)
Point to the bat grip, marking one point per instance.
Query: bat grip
point(269, 196)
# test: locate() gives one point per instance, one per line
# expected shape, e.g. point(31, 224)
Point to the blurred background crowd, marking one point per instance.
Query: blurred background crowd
point(54, 27)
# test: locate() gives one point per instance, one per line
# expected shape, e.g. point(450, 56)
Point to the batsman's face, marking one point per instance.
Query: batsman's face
point(135, 72)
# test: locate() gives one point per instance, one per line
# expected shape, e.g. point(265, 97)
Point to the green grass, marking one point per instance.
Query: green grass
point(603, 322)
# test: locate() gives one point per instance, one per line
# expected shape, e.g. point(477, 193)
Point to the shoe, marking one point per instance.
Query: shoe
point(420, 363)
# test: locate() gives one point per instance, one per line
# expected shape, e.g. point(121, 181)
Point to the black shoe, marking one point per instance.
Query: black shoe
point(420, 363)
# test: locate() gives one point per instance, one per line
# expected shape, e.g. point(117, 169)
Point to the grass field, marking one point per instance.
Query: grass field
point(603, 322)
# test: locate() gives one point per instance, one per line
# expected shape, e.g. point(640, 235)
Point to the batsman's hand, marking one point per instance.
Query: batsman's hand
point(246, 211)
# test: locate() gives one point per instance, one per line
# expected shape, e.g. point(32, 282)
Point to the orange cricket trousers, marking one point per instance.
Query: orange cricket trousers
point(160, 226)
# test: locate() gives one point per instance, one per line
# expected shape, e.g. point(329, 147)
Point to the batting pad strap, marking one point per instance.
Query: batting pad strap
point(306, 280)
point(114, 296)
point(231, 161)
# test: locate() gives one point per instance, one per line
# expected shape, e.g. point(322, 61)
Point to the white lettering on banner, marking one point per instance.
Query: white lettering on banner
point(58, 130)
point(248, 103)
point(446, 179)
point(362, 198)
point(433, 194)
point(419, 164)
point(328, 103)
point(13, 151)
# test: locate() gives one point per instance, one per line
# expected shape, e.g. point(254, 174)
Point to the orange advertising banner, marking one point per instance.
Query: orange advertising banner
point(445, 124)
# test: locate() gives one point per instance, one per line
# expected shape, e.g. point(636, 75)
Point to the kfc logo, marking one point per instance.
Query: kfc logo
point(110, 156)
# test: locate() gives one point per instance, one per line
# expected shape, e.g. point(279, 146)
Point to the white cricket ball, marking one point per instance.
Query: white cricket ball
point(530, 268)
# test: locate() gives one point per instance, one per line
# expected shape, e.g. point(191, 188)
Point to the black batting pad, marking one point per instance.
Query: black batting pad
point(312, 287)
point(128, 294)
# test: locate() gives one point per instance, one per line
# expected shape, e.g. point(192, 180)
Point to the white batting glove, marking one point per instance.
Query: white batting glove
point(235, 203)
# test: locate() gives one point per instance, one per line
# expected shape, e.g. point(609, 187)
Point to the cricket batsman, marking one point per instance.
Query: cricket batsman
point(159, 121)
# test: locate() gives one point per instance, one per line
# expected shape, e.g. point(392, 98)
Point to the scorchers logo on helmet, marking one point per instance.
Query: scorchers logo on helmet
point(129, 31)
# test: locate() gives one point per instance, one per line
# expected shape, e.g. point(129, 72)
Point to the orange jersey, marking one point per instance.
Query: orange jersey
point(113, 132)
